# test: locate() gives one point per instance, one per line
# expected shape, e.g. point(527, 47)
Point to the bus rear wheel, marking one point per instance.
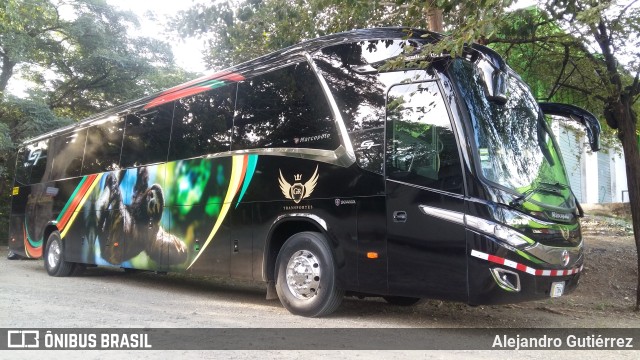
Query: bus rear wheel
point(306, 276)
point(54, 257)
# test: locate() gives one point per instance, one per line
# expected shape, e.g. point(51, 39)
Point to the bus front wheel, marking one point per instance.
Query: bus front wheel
point(54, 257)
point(306, 276)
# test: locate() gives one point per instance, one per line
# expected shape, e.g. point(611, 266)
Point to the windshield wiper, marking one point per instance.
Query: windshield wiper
point(548, 188)
point(555, 185)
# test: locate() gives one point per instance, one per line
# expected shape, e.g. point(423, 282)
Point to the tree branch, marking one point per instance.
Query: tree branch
point(604, 40)
point(565, 61)
point(584, 91)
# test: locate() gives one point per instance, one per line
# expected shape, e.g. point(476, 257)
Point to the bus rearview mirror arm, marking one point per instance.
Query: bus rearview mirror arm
point(587, 119)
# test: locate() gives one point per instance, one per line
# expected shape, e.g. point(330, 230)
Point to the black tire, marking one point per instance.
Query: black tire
point(54, 257)
point(401, 300)
point(313, 291)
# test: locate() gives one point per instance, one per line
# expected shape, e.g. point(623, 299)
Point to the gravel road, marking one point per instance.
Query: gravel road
point(105, 298)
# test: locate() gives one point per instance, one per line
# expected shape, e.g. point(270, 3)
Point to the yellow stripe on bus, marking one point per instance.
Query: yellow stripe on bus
point(75, 213)
point(234, 182)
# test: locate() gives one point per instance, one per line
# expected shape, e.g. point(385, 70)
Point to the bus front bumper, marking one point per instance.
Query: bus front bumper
point(497, 280)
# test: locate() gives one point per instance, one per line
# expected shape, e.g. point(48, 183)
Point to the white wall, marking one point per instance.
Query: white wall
point(619, 179)
point(588, 161)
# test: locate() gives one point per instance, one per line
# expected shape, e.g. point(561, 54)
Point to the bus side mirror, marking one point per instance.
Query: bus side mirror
point(571, 112)
point(494, 73)
point(494, 80)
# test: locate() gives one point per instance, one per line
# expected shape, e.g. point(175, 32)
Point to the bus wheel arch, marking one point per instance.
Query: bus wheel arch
point(279, 234)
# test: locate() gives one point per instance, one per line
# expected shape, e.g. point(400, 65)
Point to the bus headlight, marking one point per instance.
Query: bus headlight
point(501, 232)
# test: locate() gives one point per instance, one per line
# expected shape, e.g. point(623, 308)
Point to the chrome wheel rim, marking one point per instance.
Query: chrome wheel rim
point(53, 254)
point(303, 275)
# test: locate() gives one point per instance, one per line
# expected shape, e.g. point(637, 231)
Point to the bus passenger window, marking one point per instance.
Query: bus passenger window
point(421, 146)
point(146, 136)
point(284, 108)
point(67, 152)
point(202, 123)
point(34, 162)
point(359, 90)
point(104, 142)
point(23, 168)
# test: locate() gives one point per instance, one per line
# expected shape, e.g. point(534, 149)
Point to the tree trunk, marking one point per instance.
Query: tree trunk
point(6, 72)
point(632, 160)
point(435, 19)
point(626, 122)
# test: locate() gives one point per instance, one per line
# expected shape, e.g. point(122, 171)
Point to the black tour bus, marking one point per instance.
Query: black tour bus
point(317, 171)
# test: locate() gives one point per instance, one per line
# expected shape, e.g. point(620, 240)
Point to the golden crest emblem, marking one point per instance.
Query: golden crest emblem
point(298, 191)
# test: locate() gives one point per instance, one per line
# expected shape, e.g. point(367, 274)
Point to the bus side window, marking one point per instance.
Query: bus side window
point(202, 123)
point(284, 108)
point(104, 142)
point(359, 90)
point(421, 146)
point(23, 167)
point(34, 162)
point(67, 152)
point(146, 136)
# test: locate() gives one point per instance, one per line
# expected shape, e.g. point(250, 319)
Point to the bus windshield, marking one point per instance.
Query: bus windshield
point(515, 147)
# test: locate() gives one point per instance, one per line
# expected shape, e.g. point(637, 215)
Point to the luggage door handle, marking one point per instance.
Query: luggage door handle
point(400, 216)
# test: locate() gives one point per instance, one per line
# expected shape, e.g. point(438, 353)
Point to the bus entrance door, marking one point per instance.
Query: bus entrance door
point(425, 206)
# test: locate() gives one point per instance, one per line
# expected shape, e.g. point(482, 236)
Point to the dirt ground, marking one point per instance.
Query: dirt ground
point(604, 298)
point(110, 298)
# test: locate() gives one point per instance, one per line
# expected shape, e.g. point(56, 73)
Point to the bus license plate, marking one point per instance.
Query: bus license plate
point(557, 288)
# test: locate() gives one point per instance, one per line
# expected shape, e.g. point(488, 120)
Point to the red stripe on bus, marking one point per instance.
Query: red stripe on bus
point(191, 88)
point(496, 259)
point(85, 186)
point(30, 250)
point(245, 161)
point(218, 75)
point(514, 265)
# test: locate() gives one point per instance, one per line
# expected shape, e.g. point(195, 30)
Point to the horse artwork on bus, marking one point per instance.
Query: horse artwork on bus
point(322, 173)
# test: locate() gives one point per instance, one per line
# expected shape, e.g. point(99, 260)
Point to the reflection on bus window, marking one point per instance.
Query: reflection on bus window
point(67, 152)
point(32, 163)
point(146, 136)
point(284, 108)
point(421, 148)
point(202, 123)
point(102, 152)
point(361, 96)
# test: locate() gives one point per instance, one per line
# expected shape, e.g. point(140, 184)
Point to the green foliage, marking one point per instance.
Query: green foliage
point(19, 120)
point(80, 58)
point(239, 31)
point(555, 52)
point(78, 53)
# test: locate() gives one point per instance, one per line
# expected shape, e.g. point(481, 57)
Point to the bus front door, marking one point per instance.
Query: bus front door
point(425, 202)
